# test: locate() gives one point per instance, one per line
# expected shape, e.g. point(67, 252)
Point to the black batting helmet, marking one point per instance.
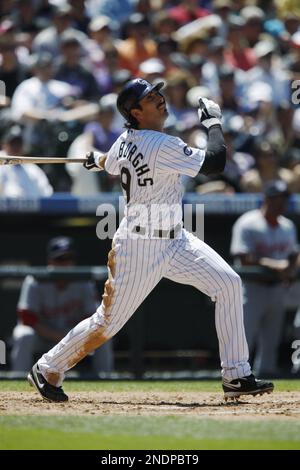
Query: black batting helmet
point(133, 92)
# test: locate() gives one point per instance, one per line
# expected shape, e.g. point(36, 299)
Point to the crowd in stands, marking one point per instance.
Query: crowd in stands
point(63, 64)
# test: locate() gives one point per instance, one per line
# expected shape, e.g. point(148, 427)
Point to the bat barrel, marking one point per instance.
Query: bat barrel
point(21, 160)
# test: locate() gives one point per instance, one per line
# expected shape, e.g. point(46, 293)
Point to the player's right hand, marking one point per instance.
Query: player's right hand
point(91, 162)
point(209, 113)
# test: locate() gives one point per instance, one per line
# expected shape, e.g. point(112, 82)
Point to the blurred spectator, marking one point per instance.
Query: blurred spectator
point(164, 25)
point(26, 17)
point(138, 46)
point(99, 134)
point(19, 181)
point(6, 7)
point(101, 130)
point(223, 8)
point(48, 40)
point(227, 90)
point(267, 170)
point(269, 71)
point(195, 44)
point(100, 30)
point(83, 183)
point(73, 70)
point(289, 12)
point(152, 69)
point(291, 159)
point(80, 17)
point(47, 310)
point(12, 72)
point(214, 60)
point(101, 35)
point(166, 47)
point(238, 53)
point(38, 101)
point(178, 84)
point(187, 11)
point(293, 58)
point(261, 116)
point(118, 79)
point(195, 67)
point(253, 17)
point(292, 23)
point(237, 163)
point(44, 13)
point(116, 10)
point(109, 68)
point(145, 7)
point(9, 35)
point(264, 238)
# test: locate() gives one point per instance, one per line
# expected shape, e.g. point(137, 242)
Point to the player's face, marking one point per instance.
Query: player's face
point(277, 204)
point(153, 112)
point(64, 260)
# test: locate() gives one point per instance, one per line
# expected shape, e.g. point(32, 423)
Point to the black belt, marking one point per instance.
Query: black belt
point(158, 233)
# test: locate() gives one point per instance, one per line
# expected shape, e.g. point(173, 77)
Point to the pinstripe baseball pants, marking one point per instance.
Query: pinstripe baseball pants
point(135, 267)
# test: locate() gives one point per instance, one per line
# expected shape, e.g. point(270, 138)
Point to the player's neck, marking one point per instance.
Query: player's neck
point(270, 217)
point(158, 127)
point(153, 128)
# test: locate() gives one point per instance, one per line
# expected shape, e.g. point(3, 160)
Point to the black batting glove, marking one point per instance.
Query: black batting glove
point(91, 161)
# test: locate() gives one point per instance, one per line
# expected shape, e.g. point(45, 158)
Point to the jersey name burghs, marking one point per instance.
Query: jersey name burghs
point(130, 153)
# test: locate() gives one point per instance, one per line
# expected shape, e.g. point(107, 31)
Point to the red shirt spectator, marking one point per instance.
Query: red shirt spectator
point(243, 59)
point(187, 11)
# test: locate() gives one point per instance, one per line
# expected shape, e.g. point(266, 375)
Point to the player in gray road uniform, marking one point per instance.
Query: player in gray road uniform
point(48, 310)
point(265, 238)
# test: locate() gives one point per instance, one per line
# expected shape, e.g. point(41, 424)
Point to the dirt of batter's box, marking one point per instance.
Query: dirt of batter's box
point(211, 405)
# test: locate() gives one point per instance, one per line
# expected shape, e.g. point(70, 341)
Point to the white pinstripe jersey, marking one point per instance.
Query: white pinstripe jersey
point(150, 165)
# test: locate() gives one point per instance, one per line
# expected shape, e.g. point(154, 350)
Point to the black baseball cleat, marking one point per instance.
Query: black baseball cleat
point(246, 386)
point(48, 391)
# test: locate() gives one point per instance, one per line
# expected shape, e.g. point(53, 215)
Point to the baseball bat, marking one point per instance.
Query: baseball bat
point(20, 160)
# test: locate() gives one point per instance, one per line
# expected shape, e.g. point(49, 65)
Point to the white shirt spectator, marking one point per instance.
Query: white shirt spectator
point(35, 94)
point(21, 181)
point(49, 40)
point(276, 78)
point(42, 96)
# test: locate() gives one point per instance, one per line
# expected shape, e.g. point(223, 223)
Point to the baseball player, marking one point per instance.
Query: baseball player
point(264, 237)
point(48, 310)
point(151, 243)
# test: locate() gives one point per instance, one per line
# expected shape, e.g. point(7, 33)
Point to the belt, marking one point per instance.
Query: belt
point(158, 233)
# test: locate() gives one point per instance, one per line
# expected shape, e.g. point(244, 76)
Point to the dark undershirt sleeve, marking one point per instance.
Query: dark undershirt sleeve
point(215, 156)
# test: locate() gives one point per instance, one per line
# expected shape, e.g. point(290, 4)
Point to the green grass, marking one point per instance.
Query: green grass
point(140, 432)
point(146, 432)
point(144, 386)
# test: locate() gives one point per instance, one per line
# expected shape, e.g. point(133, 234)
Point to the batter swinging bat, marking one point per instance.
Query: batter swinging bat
point(13, 160)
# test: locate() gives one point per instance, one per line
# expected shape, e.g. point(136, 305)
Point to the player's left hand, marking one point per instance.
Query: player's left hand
point(209, 113)
point(91, 163)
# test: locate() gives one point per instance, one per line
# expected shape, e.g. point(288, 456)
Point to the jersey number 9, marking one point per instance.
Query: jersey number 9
point(125, 182)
